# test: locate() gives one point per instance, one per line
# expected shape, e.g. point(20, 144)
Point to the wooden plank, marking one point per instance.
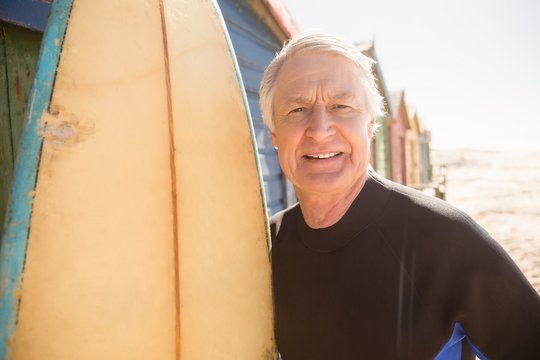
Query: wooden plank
point(6, 150)
point(255, 42)
point(22, 48)
point(15, 233)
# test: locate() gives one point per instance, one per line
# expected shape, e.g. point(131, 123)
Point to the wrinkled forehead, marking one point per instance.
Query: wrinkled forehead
point(307, 71)
point(314, 56)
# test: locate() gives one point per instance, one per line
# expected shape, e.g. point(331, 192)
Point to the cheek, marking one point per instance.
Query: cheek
point(282, 145)
point(287, 162)
point(359, 133)
point(360, 143)
point(288, 148)
point(287, 138)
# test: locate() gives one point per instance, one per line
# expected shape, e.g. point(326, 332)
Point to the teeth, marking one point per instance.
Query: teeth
point(323, 156)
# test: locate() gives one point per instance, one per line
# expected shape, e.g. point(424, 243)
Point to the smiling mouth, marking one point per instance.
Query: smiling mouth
point(322, 156)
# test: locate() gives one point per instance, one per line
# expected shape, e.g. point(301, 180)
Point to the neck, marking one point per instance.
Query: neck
point(324, 210)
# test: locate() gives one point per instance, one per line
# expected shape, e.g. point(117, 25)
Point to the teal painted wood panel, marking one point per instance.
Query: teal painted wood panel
point(17, 226)
point(255, 46)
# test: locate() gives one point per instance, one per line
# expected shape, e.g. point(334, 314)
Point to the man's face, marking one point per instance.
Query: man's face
point(322, 126)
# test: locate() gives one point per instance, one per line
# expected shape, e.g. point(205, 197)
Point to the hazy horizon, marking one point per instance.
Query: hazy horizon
point(469, 68)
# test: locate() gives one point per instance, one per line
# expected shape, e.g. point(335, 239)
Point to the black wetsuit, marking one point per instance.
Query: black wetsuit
point(400, 276)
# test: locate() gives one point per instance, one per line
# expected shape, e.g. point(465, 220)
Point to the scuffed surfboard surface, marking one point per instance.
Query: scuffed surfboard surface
point(148, 238)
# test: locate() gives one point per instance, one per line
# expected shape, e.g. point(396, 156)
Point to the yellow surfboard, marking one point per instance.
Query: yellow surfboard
point(146, 236)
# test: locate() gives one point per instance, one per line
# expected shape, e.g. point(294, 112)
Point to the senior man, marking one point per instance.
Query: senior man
point(365, 268)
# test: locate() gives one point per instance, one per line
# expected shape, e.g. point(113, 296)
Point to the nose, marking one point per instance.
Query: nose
point(320, 125)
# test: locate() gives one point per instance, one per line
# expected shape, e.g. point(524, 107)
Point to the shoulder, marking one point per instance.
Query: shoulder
point(432, 226)
point(416, 208)
point(439, 233)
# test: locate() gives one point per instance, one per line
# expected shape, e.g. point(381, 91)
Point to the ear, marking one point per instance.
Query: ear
point(371, 126)
point(273, 138)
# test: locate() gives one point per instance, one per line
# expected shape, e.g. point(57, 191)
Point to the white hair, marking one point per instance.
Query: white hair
point(322, 43)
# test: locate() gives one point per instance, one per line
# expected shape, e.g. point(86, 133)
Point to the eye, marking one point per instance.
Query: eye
point(340, 106)
point(297, 110)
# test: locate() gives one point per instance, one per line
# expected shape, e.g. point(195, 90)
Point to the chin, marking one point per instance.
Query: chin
point(325, 186)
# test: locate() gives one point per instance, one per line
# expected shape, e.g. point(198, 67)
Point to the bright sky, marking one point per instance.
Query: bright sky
point(470, 67)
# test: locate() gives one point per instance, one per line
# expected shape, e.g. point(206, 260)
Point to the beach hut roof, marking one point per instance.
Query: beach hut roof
point(276, 16)
point(368, 49)
point(396, 97)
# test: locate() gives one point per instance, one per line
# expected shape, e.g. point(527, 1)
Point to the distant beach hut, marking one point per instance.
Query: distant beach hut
point(398, 136)
point(380, 146)
point(424, 141)
point(412, 149)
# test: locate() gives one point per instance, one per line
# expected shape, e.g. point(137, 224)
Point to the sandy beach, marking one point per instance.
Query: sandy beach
point(501, 191)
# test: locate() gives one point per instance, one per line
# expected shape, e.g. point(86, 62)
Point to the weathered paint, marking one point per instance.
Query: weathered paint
point(22, 47)
point(6, 147)
point(19, 49)
point(16, 230)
